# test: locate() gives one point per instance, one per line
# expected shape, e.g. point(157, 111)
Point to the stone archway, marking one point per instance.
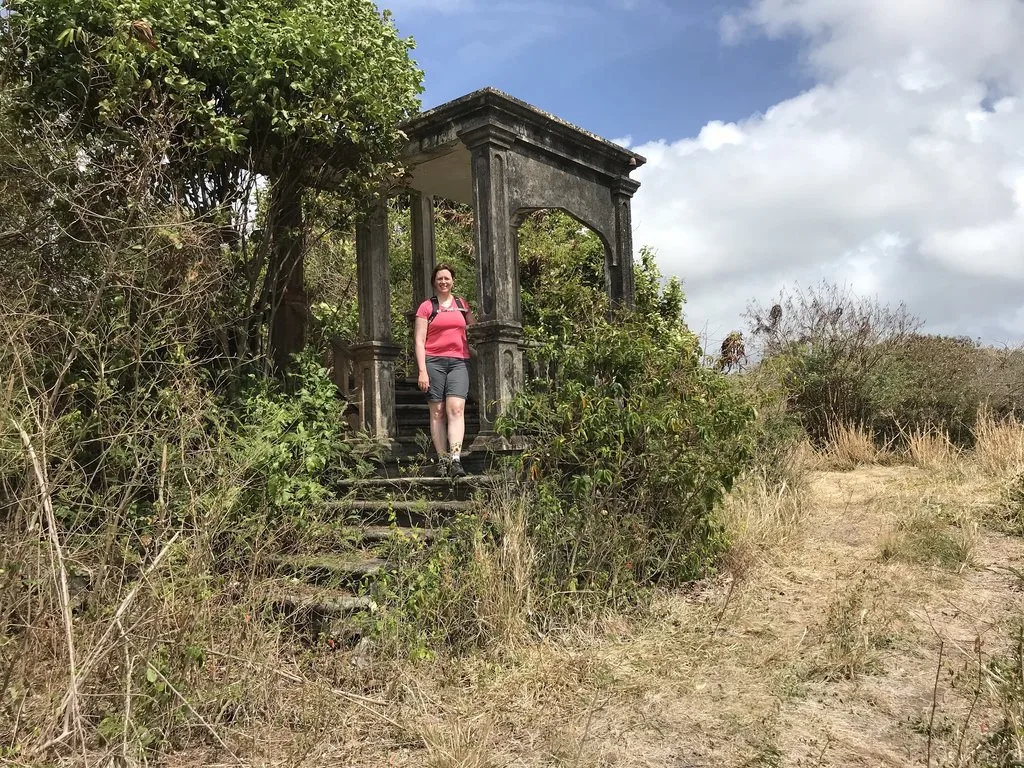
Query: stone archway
point(505, 158)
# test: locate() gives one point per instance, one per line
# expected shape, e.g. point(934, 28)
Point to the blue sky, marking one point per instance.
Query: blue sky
point(871, 143)
point(642, 69)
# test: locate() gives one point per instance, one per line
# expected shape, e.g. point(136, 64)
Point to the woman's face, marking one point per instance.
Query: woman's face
point(443, 281)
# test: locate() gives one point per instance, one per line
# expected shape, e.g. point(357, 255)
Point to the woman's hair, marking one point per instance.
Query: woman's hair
point(438, 268)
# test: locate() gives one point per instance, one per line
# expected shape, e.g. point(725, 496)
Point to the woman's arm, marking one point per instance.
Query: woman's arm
point(420, 336)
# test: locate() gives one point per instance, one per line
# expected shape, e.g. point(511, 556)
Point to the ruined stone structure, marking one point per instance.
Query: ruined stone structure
point(507, 159)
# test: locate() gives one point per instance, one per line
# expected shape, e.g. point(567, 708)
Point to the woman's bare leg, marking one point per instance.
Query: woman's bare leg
point(439, 428)
point(456, 410)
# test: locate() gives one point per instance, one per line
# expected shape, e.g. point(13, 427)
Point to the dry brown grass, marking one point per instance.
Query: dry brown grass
point(857, 626)
point(849, 446)
point(922, 537)
point(504, 572)
point(931, 449)
point(459, 744)
point(999, 445)
point(759, 516)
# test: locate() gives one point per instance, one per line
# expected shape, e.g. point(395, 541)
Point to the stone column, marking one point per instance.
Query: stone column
point(288, 293)
point(374, 354)
point(421, 210)
point(621, 280)
point(499, 330)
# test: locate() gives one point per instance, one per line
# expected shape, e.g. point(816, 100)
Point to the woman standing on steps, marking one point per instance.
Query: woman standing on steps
point(442, 356)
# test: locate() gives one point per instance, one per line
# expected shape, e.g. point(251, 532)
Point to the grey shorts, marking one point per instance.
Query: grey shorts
point(449, 377)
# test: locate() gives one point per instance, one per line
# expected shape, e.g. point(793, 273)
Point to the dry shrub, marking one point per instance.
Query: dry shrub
point(848, 446)
point(504, 571)
point(858, 624)
point(931, 448)
point(758, 516)
point(998, 445)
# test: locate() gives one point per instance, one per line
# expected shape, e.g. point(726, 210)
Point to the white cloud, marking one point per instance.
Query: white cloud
point(901, 173)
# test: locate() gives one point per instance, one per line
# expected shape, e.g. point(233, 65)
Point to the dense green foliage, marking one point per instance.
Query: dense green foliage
point(237, 83)
point(631, 441)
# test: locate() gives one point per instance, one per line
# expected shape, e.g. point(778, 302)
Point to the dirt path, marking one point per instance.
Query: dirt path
point(824, 654)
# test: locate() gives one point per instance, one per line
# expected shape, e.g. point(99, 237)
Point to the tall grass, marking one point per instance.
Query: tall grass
point(930, 448)
point(848, 446)
point(504, 571)
point(998, 445)
point(759, 515)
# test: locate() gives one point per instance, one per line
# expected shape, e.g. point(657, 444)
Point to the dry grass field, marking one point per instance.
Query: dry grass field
point(867, 617)
point(852, 637)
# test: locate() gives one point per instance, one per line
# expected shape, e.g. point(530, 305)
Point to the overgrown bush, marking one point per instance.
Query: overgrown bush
point(836, 358)
point(630, 448)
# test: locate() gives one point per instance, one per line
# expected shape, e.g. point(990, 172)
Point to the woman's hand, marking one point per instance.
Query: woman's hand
point(423, 382)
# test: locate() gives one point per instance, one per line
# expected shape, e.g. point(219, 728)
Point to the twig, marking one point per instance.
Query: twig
point(190, 708)
point(586, 729)
point(129, 665)
point(725, 606)
point(98, 649)
point(61, 577)
point(935, 702)
point(974, 702)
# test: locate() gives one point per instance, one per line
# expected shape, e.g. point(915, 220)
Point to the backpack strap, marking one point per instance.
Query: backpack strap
point(435, 307)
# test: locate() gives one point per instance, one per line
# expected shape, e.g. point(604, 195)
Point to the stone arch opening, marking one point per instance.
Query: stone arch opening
point(559, 254)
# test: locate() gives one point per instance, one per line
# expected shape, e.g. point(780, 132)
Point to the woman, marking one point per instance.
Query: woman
point(442, 356)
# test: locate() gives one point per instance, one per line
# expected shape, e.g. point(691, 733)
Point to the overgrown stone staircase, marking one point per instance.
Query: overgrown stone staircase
point(328, 590)
point(328, 594)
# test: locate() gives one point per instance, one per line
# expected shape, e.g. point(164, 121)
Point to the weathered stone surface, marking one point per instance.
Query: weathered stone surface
point(374, 355)
point(288, 305)
point(421, 210)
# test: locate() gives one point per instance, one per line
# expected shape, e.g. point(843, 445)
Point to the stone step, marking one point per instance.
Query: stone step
point(427, 513)
point(369, 535)
point(349, 569)
point(294, 596)
point(415, 487)
point(408, 458)
point(317, 613)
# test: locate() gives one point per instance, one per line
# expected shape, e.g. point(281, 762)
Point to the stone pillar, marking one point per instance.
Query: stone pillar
point(499, 330)
point(619, 271)
point(374, 354)
point(288, 305)
point(421, 211)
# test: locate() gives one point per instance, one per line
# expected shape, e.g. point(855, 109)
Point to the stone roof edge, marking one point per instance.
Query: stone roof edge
point(491, 97)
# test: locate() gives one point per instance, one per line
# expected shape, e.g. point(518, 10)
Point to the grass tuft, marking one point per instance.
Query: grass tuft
point(858, 624)
point(931, 449)
point(998, 445)
point(849, 446)
point(924, 537)
point(758, 516)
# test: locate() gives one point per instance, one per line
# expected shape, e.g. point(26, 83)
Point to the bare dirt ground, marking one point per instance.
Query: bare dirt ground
point(825, 651)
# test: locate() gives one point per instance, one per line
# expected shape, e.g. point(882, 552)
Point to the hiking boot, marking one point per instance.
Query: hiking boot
point(444, 467)
point(456, 470)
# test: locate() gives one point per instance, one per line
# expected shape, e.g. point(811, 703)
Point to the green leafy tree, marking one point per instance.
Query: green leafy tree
point(264, 86)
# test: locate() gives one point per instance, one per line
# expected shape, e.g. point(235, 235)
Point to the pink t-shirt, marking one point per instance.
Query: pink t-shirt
point(446, 333)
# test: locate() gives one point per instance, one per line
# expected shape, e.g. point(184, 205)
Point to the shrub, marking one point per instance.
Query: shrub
point(924, 383)
point(828, 345)
point(631, 448)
